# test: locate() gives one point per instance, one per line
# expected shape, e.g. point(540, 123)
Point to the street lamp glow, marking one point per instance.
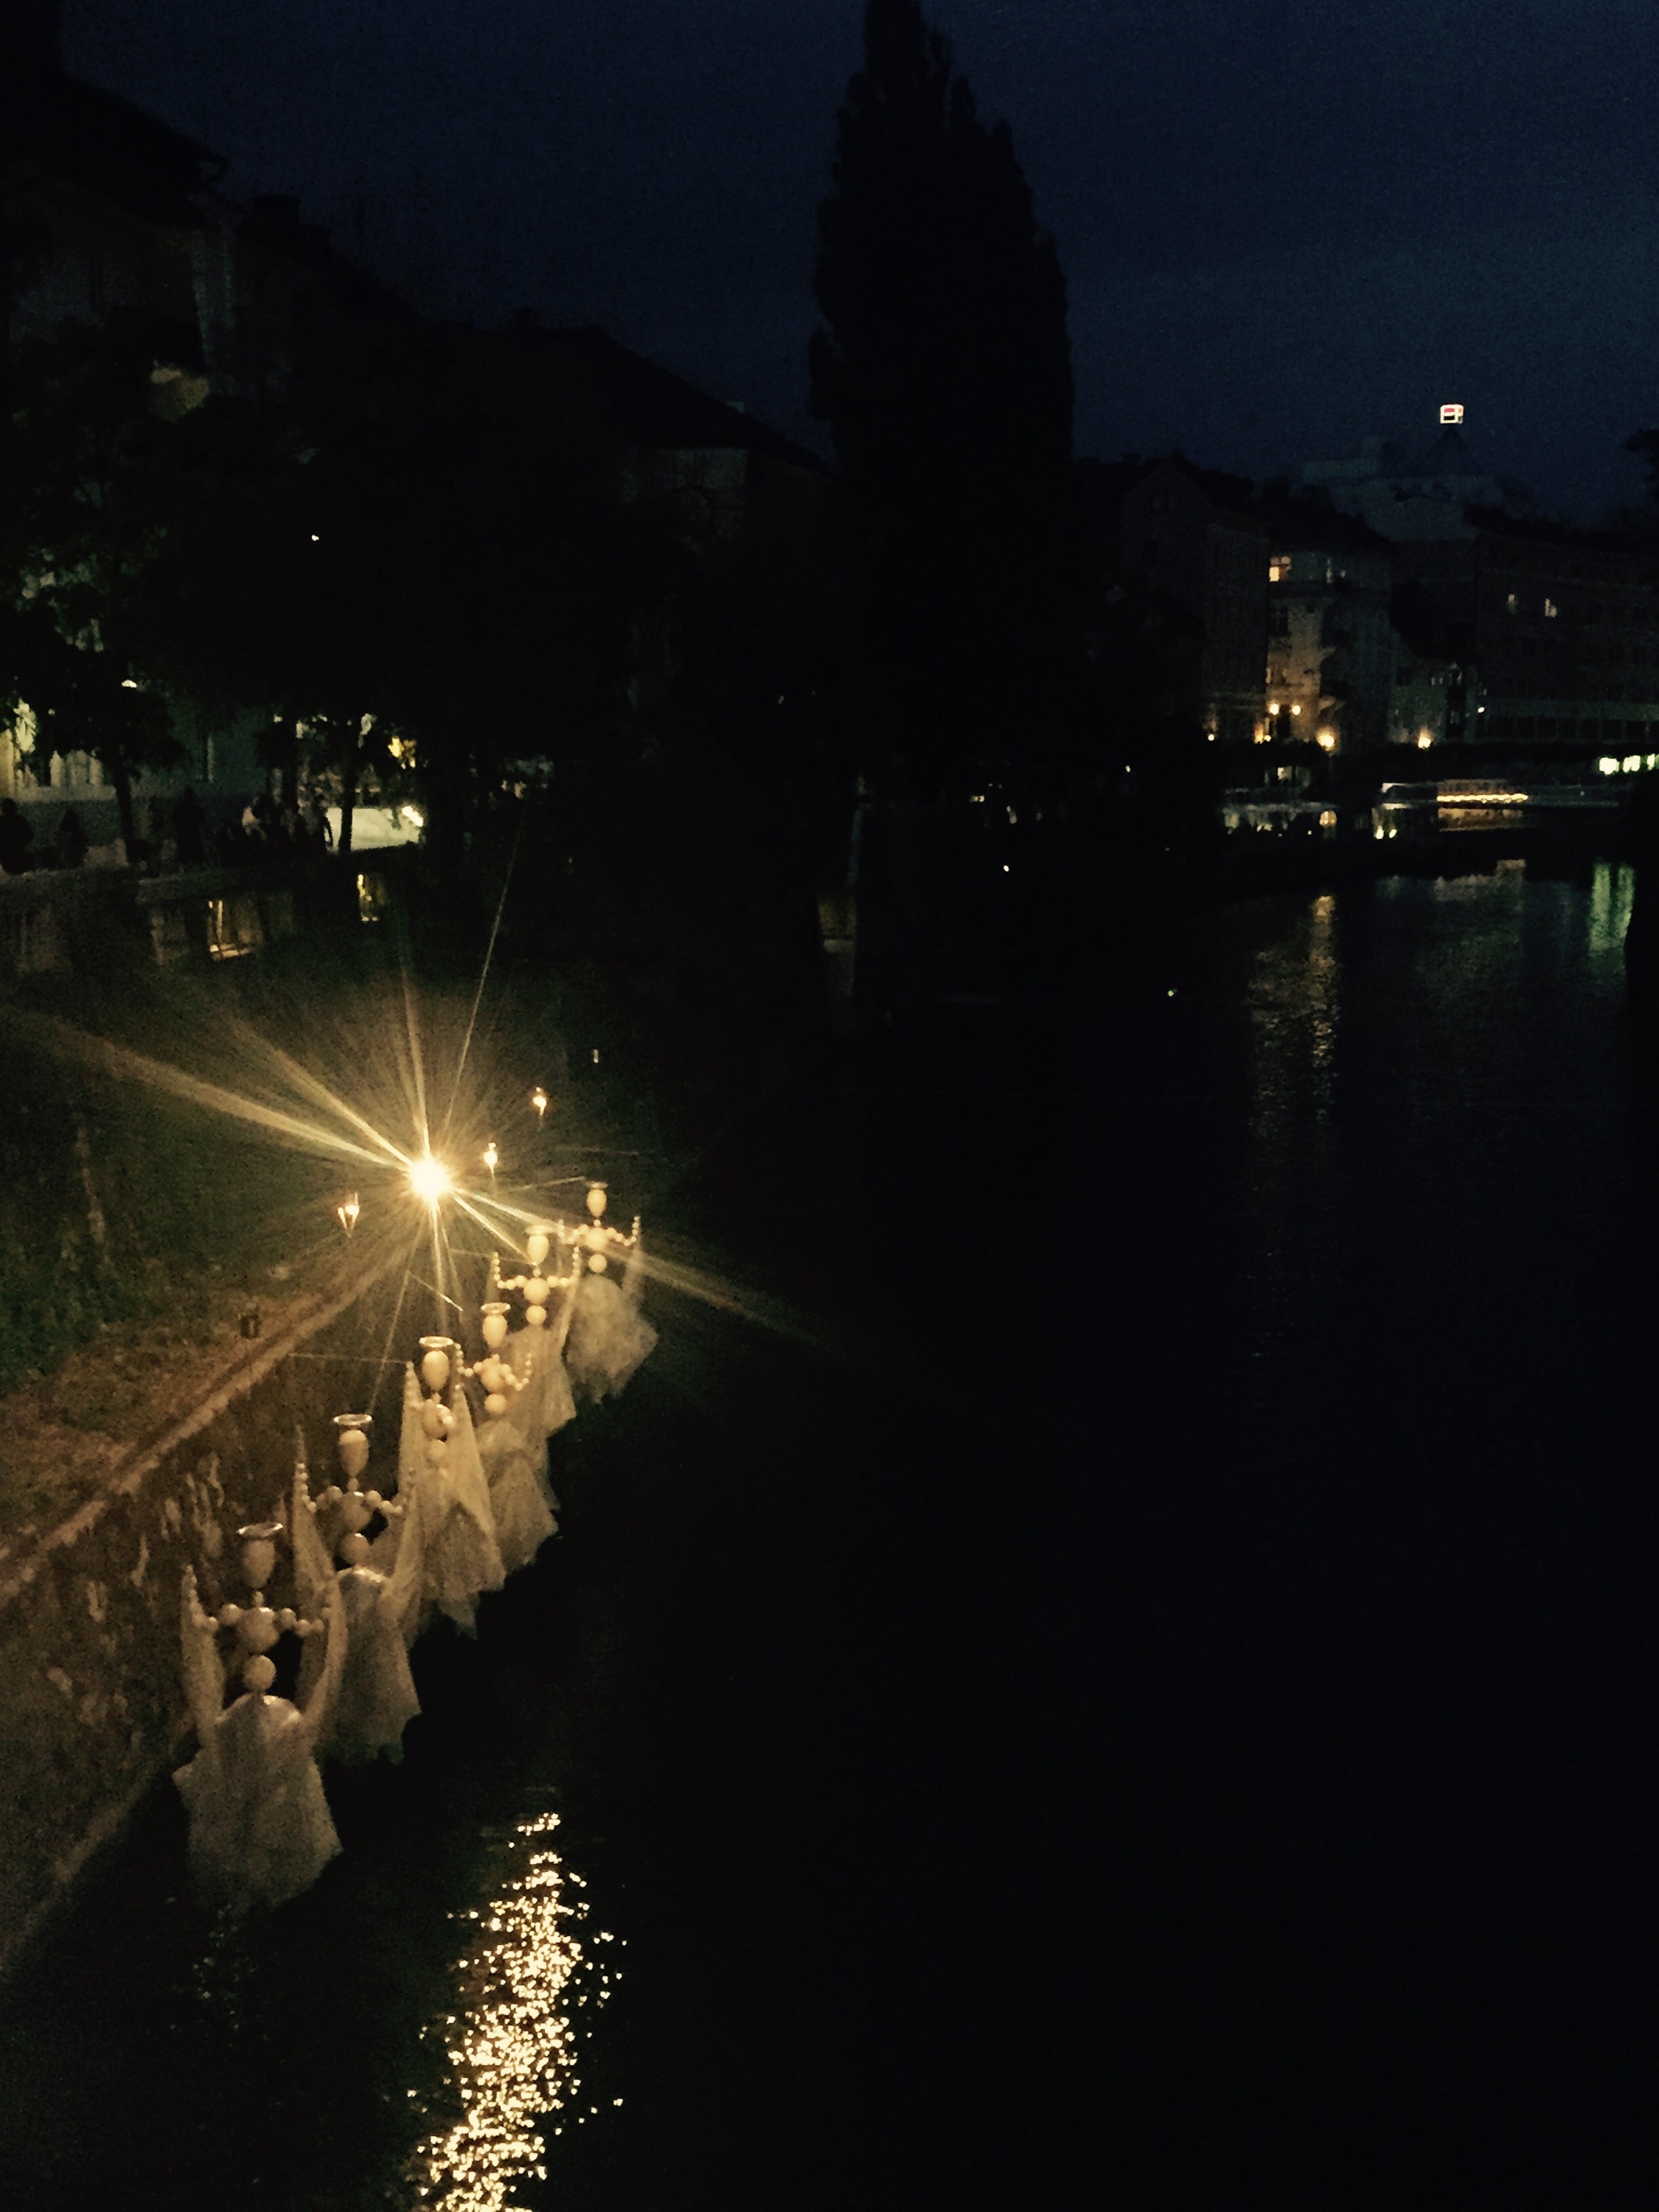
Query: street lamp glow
point(541, 1101)
point(430, 1180)
point(492, 1157)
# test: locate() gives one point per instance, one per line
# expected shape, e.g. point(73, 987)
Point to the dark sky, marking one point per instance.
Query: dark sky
point(1285, 223)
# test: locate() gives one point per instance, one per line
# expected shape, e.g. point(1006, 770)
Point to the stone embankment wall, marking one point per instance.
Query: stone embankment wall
point(91, 1698)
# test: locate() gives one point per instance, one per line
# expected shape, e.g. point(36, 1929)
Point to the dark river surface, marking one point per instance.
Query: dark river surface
point(1118, 1670)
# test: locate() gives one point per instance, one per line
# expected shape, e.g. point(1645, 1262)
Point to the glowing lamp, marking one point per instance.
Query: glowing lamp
point(434, 1360)
point(596, 1200)
point(536, 1245)
point(429, 1179)
point(492, 1157)
point(346, 1212)
point(495, 1325)
point(541, 1101)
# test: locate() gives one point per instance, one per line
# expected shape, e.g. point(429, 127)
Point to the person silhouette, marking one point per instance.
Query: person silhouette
point(189, 844)
point(72, 839)
point(15, 838)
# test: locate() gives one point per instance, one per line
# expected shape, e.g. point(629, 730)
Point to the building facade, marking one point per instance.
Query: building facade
point(1192, 536)
point(1330, 645)
point(1563, 631)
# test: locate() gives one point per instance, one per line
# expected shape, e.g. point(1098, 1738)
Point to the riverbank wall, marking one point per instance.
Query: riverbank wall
point(92, 1710)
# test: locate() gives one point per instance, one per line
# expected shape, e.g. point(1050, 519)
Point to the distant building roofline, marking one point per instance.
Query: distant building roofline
point(661, 406)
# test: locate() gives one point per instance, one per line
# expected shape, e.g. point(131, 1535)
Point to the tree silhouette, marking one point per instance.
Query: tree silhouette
point(89, 445)
point(943, 373)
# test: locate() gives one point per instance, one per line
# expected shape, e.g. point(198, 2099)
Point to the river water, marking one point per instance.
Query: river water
point(1113, 1662)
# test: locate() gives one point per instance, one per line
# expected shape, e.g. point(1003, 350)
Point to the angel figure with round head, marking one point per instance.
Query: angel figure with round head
point(376, 1700)
point(448, 1553)
point(610, 1338)
point(260, 1831)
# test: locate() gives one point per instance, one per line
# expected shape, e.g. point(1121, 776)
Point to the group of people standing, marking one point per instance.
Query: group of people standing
point(179, 835)
point(66, 848)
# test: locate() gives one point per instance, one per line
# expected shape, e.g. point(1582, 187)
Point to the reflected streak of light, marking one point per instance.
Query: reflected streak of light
point(483, 977)
point(417, 1061)
point(320, 1094)
point(513, 2048)
point(759, 1311)
point(112, 1058)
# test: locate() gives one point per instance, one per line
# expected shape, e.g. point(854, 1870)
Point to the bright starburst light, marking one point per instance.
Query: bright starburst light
point(430, 1179)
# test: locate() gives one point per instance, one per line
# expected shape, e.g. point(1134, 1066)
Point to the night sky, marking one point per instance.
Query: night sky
point(1285, 223)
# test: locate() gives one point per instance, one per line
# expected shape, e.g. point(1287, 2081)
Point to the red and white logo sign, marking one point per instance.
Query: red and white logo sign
point(1452, 412)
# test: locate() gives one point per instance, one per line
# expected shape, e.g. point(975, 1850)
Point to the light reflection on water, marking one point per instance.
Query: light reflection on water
point(1396, 1017)
point(512, 2040)
point(1612, 888)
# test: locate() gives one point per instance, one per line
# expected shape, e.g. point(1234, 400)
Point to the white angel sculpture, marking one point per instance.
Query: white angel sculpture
point(376, 1700)
point(608, 1338)
point(512, 1441)
point(447, 1555)
point(260, 1830)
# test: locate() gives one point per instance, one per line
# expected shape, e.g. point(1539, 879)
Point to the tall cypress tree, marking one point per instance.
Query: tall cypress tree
point(943, 373)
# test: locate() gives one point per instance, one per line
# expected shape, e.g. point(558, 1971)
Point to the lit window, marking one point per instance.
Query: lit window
point(1550, 608)
point(1512, 604)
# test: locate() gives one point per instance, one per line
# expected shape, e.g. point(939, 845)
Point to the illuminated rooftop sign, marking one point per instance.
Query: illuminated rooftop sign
point(1452, 411)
